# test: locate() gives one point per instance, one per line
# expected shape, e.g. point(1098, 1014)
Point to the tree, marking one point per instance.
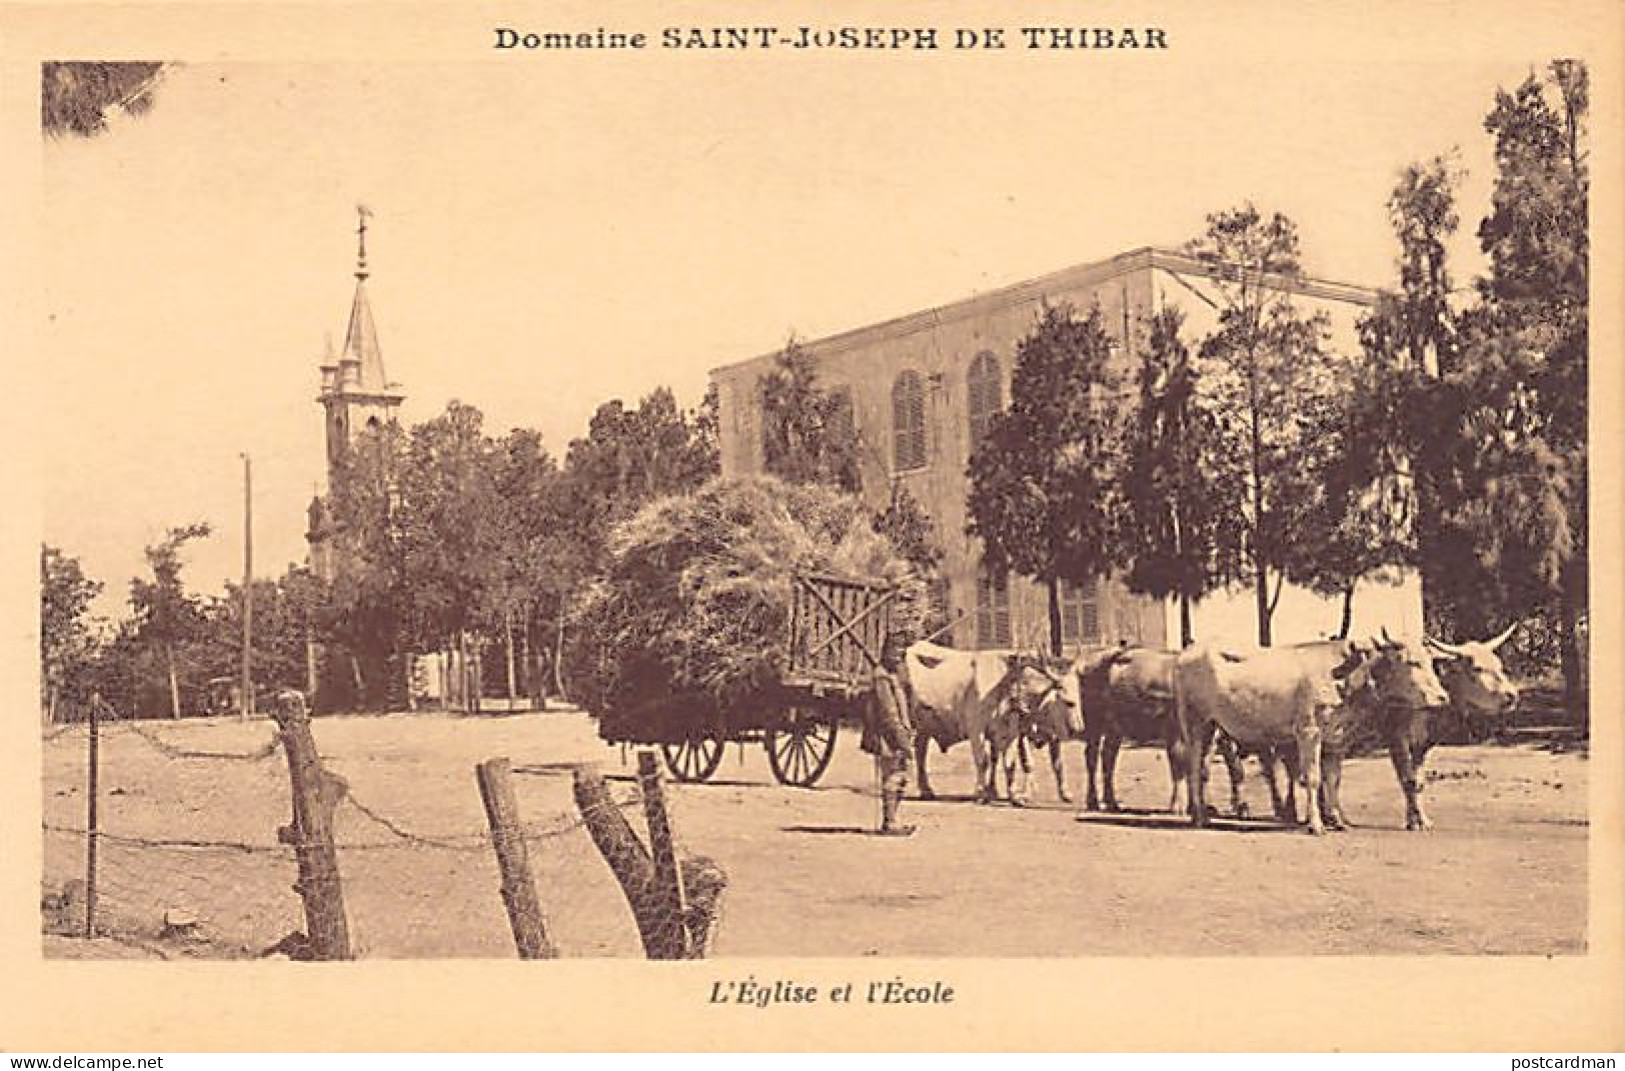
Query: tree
point(627, 458)
point(524, 583)
point(1040, 480)
point(1403, 446)
point(1264, 369)
point(910, 529)
point(1355, 511)
point(79, 98)
point(1488, 405)
point(367, 599)
point(706, 422)
point(66, 643)
point(1526, 355)
point(630, 456)
point(167, 619)
point(807, 434)
point(911, 532)
point(284, 614)
point(1167, 538)
point(450, 529)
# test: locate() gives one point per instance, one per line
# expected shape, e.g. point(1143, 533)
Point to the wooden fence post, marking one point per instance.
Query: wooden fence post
point(627, 858)
point(513, 860)
point(316, 794)
point(685, 935)
point(666, 894)
point(92, 827)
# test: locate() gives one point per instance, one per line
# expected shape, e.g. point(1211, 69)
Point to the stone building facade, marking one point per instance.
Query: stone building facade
point(921, 388)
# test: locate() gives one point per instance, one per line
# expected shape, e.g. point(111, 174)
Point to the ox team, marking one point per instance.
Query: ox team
point(1301, 708)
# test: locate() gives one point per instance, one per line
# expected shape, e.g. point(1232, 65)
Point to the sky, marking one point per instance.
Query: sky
point(547, 236)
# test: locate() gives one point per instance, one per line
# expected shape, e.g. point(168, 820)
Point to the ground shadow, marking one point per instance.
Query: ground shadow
point(547, 769)
point(566, 769)
point(861, 831)
point(1128, 819)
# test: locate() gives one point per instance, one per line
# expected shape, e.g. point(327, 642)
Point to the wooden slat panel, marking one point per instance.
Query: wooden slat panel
point(838, 624)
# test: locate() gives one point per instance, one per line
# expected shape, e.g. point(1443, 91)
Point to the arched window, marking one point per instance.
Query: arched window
point(983, 395)
point(908, 422)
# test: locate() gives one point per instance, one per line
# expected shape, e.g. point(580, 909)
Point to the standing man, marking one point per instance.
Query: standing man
point(888, 735)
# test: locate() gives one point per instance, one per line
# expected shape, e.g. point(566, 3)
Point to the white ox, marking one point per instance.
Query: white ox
point(980, 696)
point(1050, 709)
point(1126, 693)
point(1481, 694)
point(1479, 690)
point(1294, 697)
point(1472, 673)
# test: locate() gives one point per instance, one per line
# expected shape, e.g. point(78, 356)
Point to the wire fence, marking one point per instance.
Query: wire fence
point(196, 856)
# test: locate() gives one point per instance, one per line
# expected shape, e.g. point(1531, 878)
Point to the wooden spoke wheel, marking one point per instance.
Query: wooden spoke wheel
point(799, 749)
point(693, 760)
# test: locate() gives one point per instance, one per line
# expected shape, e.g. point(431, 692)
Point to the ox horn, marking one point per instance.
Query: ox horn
point(1440, 645)
point(1503, 637)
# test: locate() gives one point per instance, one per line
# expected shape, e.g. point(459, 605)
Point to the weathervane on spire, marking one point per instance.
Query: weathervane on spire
point(363, 213)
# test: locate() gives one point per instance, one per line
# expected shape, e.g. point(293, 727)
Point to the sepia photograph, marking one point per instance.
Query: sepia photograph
point(855, 490)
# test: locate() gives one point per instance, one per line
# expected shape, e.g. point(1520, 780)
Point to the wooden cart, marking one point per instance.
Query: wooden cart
point(836, 630)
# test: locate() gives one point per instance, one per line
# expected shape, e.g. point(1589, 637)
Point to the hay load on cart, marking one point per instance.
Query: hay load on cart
point(749, 610)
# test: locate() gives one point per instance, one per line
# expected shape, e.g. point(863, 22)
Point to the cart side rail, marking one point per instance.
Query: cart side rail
point(838, 625)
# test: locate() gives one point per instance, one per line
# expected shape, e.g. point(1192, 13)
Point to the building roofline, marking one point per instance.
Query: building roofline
point(1142, 258)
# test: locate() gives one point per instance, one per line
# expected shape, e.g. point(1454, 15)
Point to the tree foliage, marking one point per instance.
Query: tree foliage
point(367, 599)
point(1488, 402)
point(1523, 367)
point(1172, 507)
point(808, 434)
point(285, 610)
point(1271, 386)
point(168, 619)
point(445, 538)
point(1039, 482)
point(628, 458)
point(79, 98)
point(67, 646)
point(450, 522)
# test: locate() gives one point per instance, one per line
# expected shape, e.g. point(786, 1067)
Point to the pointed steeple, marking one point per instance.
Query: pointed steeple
point(361, 337)
point(355, 392)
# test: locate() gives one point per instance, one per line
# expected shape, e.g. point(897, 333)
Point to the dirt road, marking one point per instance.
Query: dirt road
point(1504, 872)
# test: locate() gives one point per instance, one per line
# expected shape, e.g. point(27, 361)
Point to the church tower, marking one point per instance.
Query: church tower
point(355, 395)
point(355, 392)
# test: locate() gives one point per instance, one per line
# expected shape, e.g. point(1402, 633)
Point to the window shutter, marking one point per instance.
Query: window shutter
point(992, 609)
point(1071, 613)
point(982, 391)
point(908, 422)
point(840, 412)
point(1089, 614)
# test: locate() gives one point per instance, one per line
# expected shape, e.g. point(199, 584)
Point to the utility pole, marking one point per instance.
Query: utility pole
point(246, 706)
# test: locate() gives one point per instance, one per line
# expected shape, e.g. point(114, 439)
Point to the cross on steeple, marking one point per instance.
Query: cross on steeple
point(363, 214)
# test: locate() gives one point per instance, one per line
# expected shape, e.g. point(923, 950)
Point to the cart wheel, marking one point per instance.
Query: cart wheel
point(799, 751)
point(693, 760)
